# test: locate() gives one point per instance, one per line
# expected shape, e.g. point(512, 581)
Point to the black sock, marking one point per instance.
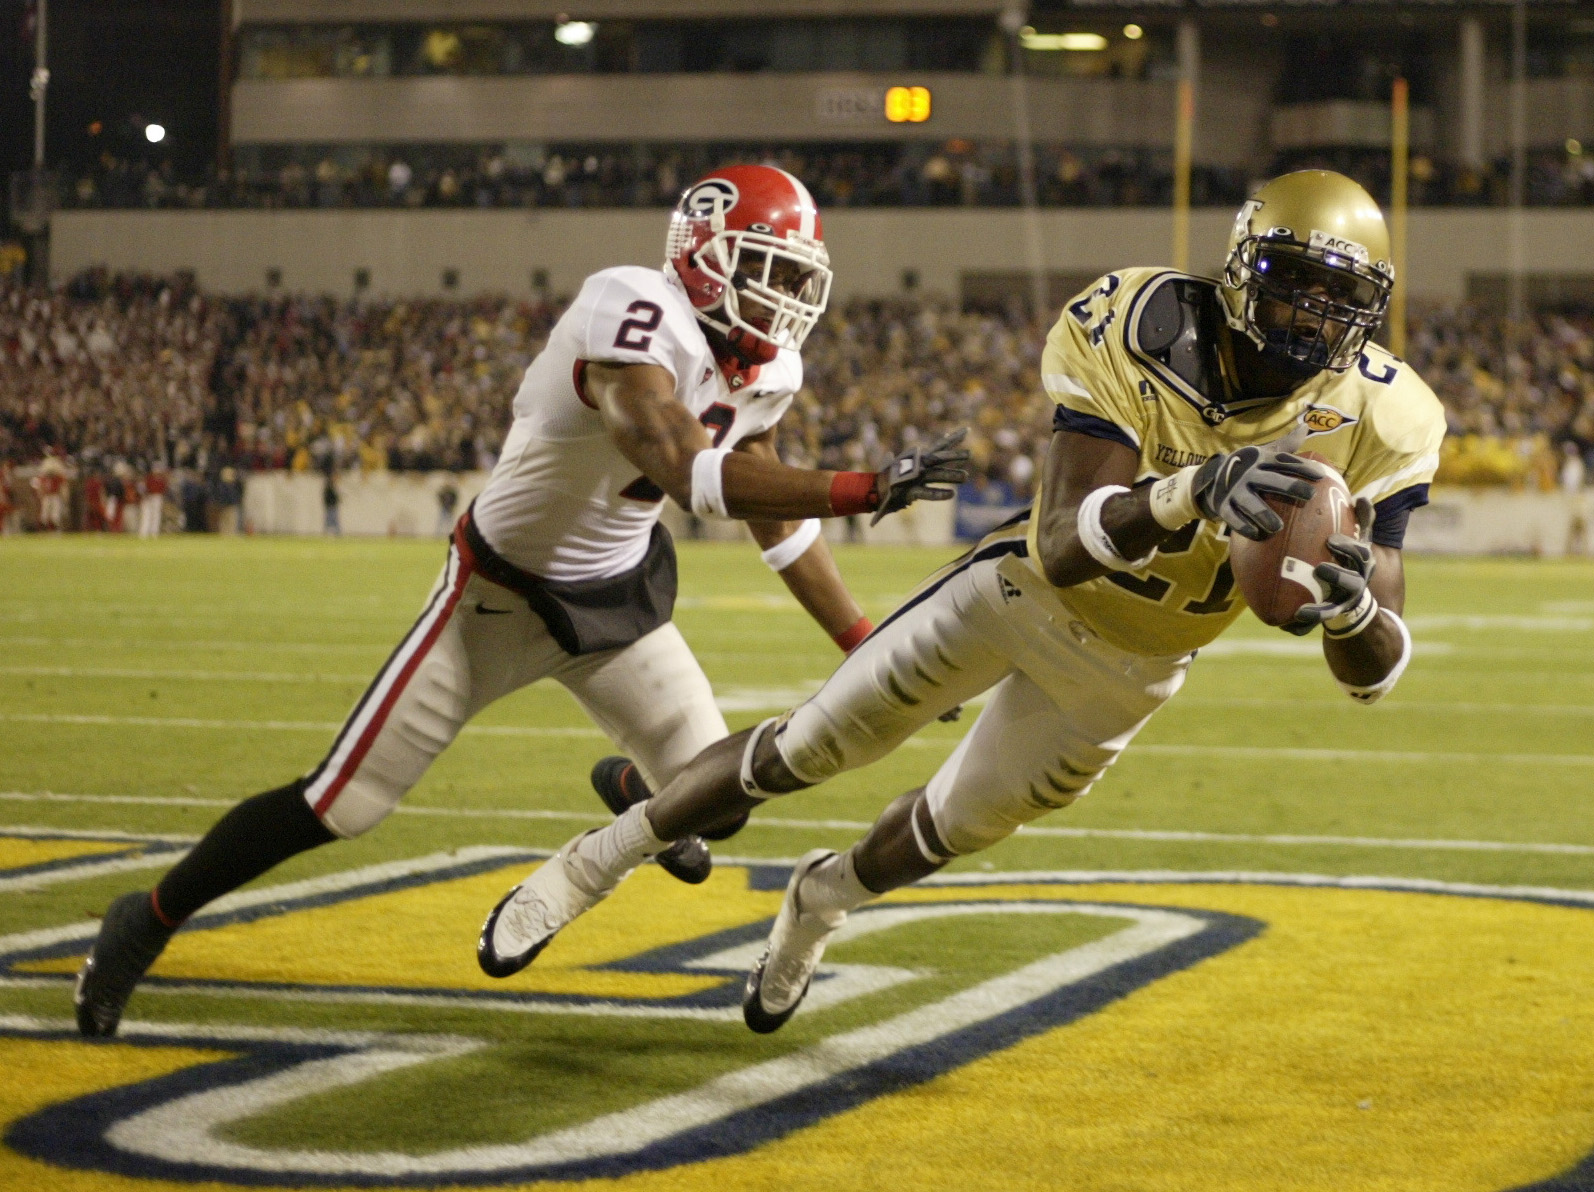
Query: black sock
point(254, 836)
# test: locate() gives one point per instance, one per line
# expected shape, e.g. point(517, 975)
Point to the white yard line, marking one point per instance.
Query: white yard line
point(764, 699)
point(780, 823)
point(1270, 752)
point(118, 672)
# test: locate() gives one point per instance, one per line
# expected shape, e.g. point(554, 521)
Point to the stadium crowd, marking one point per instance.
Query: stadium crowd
point(113, 381)
point(927, 174)
point(954, 173)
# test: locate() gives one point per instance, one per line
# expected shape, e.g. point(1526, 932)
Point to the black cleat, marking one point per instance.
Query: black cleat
point(620, 786)
point(130, 939)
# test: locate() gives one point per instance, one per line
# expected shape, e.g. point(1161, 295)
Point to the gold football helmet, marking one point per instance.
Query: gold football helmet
point(1308, 276)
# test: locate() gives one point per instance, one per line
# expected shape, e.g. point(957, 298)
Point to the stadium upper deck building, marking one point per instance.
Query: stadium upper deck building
point(934, 96)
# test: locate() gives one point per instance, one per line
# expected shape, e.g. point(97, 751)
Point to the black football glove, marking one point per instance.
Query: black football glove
point(914, 475)
point(1344, 584)
point(1230, 488)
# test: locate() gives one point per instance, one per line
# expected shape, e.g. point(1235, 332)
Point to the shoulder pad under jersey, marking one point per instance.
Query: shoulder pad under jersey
point(1175, 327)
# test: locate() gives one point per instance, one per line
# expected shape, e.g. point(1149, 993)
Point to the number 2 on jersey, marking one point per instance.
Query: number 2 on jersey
point(633, 333)
point(719, 418)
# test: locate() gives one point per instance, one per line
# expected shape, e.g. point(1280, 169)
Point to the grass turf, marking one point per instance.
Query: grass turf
point(191, 672)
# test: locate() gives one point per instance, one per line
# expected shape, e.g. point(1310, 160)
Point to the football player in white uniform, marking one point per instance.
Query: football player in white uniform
point(1175, 396)
point(653, 383)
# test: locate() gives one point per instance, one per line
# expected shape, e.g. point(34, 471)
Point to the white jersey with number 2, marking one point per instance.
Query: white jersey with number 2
point(563, 503)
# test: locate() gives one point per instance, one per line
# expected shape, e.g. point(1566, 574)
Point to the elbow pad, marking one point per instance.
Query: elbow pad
point(1372, 694)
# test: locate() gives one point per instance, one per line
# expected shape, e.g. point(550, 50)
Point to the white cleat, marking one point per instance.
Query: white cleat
point(780, 979)
point(529, 916)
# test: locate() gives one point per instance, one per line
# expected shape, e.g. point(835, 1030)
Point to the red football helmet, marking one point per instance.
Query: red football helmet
point(746, 243)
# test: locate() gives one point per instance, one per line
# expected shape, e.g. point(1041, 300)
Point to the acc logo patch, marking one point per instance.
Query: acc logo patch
point(1108, 1030)
point(710, 197)
point(1319, 420)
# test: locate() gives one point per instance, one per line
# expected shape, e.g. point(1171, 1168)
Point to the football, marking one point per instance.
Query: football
point(1275, 576)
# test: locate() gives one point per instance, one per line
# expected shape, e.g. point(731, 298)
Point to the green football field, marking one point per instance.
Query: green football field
point(1390, 934)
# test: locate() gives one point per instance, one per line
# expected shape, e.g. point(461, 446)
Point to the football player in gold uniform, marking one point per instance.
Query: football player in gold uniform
point(1179, 400)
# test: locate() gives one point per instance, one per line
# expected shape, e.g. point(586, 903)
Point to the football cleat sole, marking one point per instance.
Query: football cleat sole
point(534, 912)
point(490, 961)
point(754, 1013)
point(621, 787)
point(122, 953)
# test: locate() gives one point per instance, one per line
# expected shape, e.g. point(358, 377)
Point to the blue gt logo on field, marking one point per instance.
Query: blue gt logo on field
point(1093, 1001)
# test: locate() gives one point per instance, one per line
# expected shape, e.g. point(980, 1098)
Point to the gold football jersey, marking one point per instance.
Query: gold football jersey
point(1128, 361)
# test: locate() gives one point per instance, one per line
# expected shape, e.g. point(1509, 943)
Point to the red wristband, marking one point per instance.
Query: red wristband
point(848, 639)
point(852, 492)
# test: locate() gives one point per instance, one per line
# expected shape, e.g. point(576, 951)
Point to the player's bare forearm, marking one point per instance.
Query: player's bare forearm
point(659, 435)
point(816, 582)
point(812, 577)
point(1077, 465)
point(1367, 658)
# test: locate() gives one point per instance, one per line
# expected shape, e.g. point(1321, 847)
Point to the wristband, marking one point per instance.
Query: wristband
point(852, 492)
point(792, 547)
point(1374, 692)
point(1173, 501)
point(848, 639)
point(708, 493)
point(1354, 619)
point(1095, 539)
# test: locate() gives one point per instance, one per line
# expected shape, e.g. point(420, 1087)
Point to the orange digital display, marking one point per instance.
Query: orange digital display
point(907, 105)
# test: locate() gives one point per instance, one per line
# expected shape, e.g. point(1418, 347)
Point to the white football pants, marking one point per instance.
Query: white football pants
point(476, 642)
point(1065, 702)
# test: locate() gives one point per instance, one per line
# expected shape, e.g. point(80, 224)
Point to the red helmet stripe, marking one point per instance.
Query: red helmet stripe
point(807, 208)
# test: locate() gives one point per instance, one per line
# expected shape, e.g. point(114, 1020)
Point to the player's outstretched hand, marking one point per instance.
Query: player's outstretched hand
point(1344, 582)
point(1232, 488)
point(917, 475)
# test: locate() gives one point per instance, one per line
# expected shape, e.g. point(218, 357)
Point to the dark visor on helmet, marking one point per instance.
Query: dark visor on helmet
point(1283, 272)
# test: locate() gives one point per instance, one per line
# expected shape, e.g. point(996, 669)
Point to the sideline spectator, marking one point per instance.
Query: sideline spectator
point(227, 496)
point(330, 499)
point(50, 486)
point(8, 507)
point(153, 506)
point(447, 500)
point(94, 502)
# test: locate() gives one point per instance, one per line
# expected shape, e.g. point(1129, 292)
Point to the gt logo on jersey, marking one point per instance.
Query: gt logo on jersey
point(710, 197)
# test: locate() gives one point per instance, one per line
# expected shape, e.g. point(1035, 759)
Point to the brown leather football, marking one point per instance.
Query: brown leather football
point(1275, 576)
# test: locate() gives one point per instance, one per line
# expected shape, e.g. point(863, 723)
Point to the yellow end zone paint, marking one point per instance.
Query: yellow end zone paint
point(424, 937)
point(17, 852)
point(1367, 1040)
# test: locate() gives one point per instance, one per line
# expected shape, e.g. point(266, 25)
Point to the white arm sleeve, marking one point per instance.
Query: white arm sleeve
point(1376, 691)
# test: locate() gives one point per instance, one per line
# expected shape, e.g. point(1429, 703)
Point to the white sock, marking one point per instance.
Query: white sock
point(832, 888)
point(604, 857)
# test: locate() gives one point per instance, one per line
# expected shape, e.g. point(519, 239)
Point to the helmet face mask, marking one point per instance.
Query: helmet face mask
point(1308, 278)
point(746, 243)
point(772, 290)
point(1310, 308)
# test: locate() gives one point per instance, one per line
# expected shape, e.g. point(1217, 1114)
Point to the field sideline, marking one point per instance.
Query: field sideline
point(1337, 1033)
